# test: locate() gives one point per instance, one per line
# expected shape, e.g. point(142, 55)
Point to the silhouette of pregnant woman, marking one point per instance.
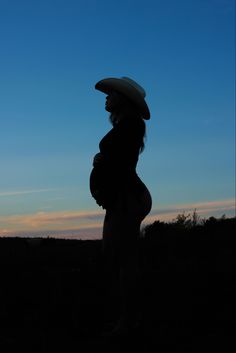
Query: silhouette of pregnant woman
point(117, 188)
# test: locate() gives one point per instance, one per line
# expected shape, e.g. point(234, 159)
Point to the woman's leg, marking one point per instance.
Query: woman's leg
point(129, 279)
point(121, 233)
point(137, 207)
point(110, 267)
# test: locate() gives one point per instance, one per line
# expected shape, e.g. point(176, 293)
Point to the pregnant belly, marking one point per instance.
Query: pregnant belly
point(96, 180)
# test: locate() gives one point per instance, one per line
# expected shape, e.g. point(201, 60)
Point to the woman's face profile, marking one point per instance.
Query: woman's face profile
point(113, 101)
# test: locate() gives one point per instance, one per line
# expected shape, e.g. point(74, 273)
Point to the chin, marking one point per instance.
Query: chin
point(107, 109)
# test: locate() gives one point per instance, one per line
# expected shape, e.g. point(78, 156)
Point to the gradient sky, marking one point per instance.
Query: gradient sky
point(53, 52)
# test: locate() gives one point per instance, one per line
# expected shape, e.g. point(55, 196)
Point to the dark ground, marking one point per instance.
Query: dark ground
point(53, 295)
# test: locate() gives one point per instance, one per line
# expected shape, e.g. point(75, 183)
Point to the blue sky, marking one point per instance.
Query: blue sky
point(52, 119)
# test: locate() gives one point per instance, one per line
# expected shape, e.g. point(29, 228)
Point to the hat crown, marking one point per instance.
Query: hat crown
point(128, 87)
point(135, 85)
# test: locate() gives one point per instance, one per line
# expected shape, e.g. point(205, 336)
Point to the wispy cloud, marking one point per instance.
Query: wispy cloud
point(23, 192)
point(88, 224)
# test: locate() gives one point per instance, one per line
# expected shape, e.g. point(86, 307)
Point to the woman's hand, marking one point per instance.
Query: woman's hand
point(99, 199)
point(98, 159)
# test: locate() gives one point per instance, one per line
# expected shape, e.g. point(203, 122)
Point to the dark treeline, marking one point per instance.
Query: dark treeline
point(192, 242)
point(53, 293)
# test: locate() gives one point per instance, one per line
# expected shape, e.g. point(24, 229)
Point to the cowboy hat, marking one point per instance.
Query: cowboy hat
point(127, 87)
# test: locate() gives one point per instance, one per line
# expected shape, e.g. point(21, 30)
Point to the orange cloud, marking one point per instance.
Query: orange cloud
point(52, 220)
point(204, 209)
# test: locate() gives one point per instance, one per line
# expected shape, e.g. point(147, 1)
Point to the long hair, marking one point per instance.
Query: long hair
point(128, 110)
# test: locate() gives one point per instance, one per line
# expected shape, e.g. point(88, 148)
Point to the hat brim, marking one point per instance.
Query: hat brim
point(115, 84)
